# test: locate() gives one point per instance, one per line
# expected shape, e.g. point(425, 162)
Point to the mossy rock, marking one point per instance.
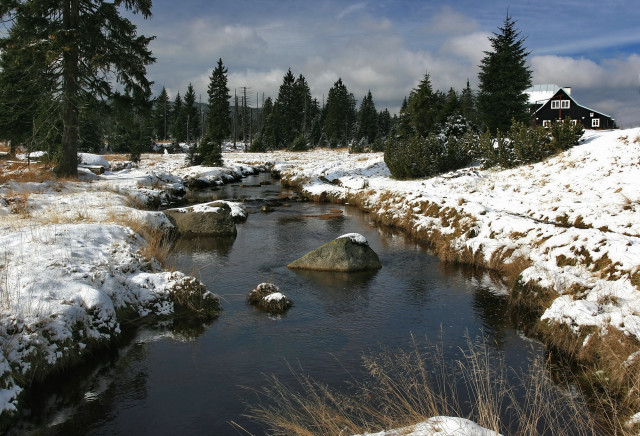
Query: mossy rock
point(348, 253)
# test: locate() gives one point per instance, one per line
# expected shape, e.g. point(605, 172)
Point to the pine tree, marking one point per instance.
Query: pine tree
point(367, 120)
point(218, 121)
point(504, 76)
point(83, 41)
point(468, 105)
point(26, 97)
point(179, 126)
point(284, 112)
point(424, 105)
point(340, 114)
point(191, 115)
point(162, 115)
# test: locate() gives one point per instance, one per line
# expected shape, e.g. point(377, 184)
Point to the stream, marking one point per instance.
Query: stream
point(199, 379)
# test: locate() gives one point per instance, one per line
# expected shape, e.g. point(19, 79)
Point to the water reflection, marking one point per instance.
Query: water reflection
point(219, 244)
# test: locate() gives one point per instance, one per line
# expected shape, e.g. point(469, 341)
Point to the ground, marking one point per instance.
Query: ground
point(74, 253)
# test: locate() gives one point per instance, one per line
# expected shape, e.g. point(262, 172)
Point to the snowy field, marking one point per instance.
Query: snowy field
point(70, 258)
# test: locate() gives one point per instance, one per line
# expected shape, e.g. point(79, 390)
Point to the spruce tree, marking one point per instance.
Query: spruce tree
point(218, 121)
point(86, 44)
point(424, 106)
point(191, 115)
point(26, 96)
point(162, 115)
point(367, 120)
point(179, 126)
point(504, 76)
point(340, 114)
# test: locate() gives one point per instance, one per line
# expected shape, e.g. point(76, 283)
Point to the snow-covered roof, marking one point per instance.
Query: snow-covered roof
point(541, 93)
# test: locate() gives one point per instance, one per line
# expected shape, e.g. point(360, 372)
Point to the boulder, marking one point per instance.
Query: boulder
point(267, 296)
point(211, 219)
point(348, 253)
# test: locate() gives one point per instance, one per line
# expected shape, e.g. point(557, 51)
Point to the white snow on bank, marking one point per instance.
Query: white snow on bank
point(89, 159)
point(439, 426)
point(69, 260)
point(576, 216)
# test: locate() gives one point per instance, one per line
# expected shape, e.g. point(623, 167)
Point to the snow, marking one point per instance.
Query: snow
point(69, 257)
point(356, 238)
point(275, 296)
point(575, 216)
point(439, 426)
point(89, 159)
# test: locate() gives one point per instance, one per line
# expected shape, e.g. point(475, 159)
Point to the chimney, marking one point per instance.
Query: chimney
point(567, 89)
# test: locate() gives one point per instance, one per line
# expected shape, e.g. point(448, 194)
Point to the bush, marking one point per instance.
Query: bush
point(299, 144)
point(361, 146)
point(258, 145)
point(425, 157)
point(565, 135)
point(525, 145)
point(210, 153)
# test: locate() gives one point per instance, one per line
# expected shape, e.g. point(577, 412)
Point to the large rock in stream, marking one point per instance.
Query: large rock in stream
point(347, 253)
point(211, 219)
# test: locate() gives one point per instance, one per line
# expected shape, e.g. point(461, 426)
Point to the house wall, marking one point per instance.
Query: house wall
point(575, 112)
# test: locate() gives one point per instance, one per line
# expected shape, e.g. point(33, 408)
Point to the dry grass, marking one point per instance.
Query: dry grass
point(157, 243)
point(406, 387)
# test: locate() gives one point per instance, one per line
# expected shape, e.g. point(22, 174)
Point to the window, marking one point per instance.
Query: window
point(595, 122)
point(560, 104)
point(546, 123)
point(574, 122)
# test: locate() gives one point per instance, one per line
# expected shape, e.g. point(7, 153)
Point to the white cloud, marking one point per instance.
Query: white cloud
point(451, 22)
point(611, 86)
point(470, 46)
point(351, 9)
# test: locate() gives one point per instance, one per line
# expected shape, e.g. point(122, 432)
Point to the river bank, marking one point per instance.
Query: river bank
point(565, 233)
point(80, 259)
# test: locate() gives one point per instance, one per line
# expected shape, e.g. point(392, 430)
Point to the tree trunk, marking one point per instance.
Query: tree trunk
point(68, 165)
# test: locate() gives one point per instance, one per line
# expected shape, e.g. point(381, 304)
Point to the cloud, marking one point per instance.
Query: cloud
point(451, 22)
point(470, 46)
point(611, 86)
point(351, 9)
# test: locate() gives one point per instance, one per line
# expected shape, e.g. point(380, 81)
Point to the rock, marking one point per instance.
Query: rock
point(348, 253)
point(267, 296)
point(211, 219)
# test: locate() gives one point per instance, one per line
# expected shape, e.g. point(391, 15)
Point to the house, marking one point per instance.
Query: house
point(550, 103)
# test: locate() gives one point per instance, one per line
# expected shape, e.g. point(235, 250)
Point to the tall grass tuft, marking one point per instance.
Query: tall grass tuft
point(403, 388)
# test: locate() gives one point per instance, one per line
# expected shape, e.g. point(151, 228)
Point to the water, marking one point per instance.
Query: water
point(169, 380)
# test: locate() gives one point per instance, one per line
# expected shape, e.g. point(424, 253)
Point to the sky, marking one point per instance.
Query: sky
point(387, 46)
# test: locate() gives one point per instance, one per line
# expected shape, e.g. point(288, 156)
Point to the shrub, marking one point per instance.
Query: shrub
point(300, 143)
point(565, 134)
point(525, 145)
point(210, 153)
point(425, 157)
point(258, 145)
point(361, 146)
